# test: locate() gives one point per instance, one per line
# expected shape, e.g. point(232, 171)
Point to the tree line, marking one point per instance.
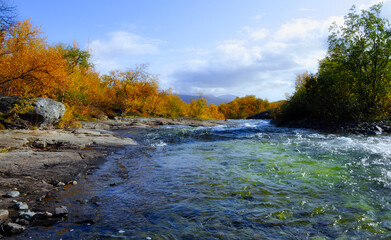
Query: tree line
point(30, 67)
point(353, 82)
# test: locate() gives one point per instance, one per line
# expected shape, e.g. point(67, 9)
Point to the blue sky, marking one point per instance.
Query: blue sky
point(216, 47)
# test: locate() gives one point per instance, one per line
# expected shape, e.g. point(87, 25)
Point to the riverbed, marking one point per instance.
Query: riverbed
point(250, 180)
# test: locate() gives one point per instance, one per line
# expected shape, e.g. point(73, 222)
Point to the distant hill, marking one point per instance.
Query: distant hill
point(210, 98)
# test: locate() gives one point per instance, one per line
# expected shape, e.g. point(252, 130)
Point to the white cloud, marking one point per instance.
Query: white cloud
point(266, 67)
point(371, 3)
point(255, 34)
point(111, 53)
point(236, 52)
point(298, 28)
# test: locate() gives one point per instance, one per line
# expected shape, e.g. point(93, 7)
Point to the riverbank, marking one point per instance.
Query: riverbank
point(35, 164)
point(362, 128)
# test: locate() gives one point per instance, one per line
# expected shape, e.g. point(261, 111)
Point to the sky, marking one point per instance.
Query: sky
point(213, 47)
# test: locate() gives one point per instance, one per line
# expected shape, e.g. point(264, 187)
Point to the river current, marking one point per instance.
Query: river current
point(250, 180)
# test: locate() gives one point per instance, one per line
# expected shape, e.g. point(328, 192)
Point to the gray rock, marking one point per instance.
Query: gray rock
point(12, 194)
point(4, 214)
point(27, 215)
point(60, 211)
point(12, 228)
point(21, 206)
point(45, 113)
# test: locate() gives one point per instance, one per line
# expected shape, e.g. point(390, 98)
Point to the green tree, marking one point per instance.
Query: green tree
point(354, 79)
point(358, 61)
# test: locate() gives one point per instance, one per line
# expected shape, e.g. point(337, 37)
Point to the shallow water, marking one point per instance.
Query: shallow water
point(245, 181)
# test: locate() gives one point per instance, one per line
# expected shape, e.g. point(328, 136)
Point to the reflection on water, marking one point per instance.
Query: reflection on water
point(244, 181)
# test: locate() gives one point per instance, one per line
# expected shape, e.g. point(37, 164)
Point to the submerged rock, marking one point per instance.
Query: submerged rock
point(96, 201)
point(60, 211)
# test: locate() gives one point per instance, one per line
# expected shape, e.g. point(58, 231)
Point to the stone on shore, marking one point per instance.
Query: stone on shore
point(12, 228)
point(4, 214)
point(12, 194)
point(21, 206)
point(45, 112)
point(27, 215)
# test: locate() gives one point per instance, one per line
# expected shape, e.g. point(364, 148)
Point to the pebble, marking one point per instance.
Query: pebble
point(12, 194)
point(3, 214)
point(60, 184)
point(48, 214)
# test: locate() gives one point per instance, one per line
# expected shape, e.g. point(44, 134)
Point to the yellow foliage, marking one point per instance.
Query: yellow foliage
point(22, 107)
point(68, 120)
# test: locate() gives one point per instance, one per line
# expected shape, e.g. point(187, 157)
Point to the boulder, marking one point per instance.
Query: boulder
point(45, 113)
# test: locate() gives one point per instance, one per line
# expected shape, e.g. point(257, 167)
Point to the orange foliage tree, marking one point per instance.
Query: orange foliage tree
point(28, 65)
point(131, 91)
point(244, 107)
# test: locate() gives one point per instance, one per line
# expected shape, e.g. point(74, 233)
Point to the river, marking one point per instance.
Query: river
point(251, 180)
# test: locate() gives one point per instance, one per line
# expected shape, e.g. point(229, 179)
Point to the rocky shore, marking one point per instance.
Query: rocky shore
point(363, 128)
point(35, 164)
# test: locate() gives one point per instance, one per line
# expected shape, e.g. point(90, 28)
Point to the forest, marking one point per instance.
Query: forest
point(353, 82)
point(30, 67)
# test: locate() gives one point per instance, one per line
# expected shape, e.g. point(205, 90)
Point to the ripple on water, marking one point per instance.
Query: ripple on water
point(245, 181)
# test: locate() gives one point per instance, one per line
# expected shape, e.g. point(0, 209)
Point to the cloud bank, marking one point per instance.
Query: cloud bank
point(261, 62)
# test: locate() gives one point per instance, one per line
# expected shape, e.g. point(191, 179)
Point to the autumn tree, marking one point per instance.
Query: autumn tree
point(131, 90)
point(28, 65)
point(244, 107)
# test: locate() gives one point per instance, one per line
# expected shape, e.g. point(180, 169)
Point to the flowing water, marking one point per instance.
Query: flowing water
point(245, 181)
